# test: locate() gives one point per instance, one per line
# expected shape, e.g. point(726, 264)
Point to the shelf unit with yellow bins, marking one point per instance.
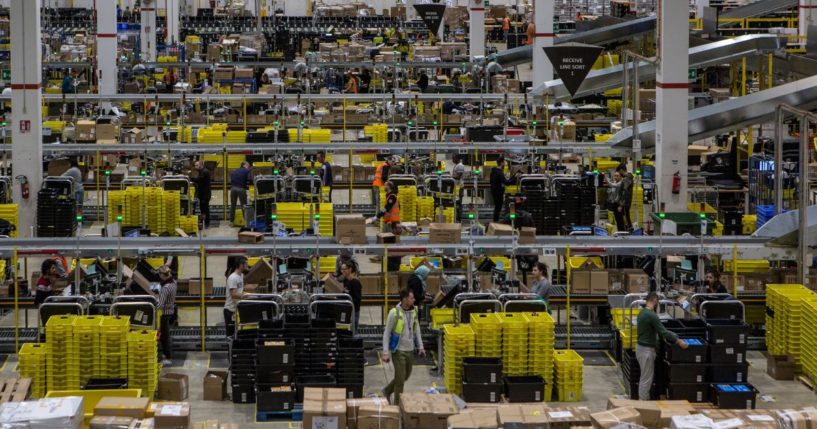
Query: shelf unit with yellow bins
point(785, 322)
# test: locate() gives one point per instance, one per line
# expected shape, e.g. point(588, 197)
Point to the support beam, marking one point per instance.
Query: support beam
point(27, 112)
point(700, 5)
point(543, 22)
point(149, 30)
point(173, 22)
point(672, 89)
point(807, 17)
point(106, 47)
point(476, 24)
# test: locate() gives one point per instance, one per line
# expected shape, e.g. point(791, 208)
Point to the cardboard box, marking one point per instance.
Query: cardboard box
point(207, 424)
point(610, 418)
point(331, 284)
point(260, 274)
point(445, 233)
point(527, 235)
point(530, 416)
point(350, 229)
point(580, 282)
point(353, 407)
point(223, 73)
point(143, 424)
point(111, 422)
point(122, 407)
point(425, 411)
point(654, 414)
point(372, 284)
point(433, 283)
point(780, 367)
point(393, 283)
point(243, 73)
point(568, 417)
point(107, 132)
point(324, 408)
point(172, 415)
point(215, 385)
point(616, 280)
point(85, 131)
point(636, 281)
point(173, 387)
point(387, 238)
point(250, 237)
point(474, 418)
point(195, 286)
point(378, 417)
point(755, 419)
point(499, 229)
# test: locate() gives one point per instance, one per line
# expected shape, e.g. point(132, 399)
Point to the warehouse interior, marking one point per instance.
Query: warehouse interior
point(415, 214)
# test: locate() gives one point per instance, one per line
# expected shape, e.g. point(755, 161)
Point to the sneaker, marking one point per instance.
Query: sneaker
point(167, 362)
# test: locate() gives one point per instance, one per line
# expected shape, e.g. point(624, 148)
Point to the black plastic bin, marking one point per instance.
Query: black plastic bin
point(275, 352)
point(243, 393)
point(728, 373)
point(727, 332)
point(525, 388)
point(275, 374)
point(693, 328)
point(734, 396)
point(692, 392)
point(106, 384)
point(727, 353)
point(304, 381)
point(490, 393)
point(694, 353)
point(686, 373)
point(482, 370)
point(269, 400)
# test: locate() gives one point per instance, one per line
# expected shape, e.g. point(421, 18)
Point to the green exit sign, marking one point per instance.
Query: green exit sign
point(6, 74)
point(692, 74)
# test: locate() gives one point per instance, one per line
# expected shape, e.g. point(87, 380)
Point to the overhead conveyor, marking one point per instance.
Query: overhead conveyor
point(719, 52)
point(758, 8)
point(733, 114)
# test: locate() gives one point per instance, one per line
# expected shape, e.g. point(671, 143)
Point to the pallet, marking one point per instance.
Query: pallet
point(14, 389)
point(295, 415)
point(807, 382)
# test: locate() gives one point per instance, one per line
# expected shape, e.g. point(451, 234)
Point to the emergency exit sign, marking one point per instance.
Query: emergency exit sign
point(5, 74)
point(692, 74)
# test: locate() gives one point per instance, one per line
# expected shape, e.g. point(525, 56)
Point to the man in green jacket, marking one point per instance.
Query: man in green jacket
point(401, 338)
point(649, 329)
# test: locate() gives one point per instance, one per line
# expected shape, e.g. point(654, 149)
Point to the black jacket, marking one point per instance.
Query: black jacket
point(625, 191)
point(355, 290)
point(415, 285)
point(203, 182)
point(326, 174)
point(498, 181)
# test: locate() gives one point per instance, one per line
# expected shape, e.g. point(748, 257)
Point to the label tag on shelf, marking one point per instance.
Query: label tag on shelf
point(548, 251)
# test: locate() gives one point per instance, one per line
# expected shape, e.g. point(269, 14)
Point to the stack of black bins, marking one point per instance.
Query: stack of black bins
point(482, 380)
point(242, 369)
point(727, 354)
point(56, 216)
point(275, 375)
point(351, 362)
point(631, 372)
point(685, 370)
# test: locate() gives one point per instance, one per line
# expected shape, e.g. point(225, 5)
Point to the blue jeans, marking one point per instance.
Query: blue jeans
point(79, 195)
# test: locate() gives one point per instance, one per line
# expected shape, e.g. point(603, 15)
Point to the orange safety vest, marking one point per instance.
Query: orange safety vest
point(506, 24)
point(393, 216)
point(378, 176)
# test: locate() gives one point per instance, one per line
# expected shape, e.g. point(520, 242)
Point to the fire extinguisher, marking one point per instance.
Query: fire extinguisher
point(23, 186)
point(676, 183)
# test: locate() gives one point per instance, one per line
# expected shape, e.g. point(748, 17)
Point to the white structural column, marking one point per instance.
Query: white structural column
point(672, 88)
point(27, 112)
point(543, 21)
point(807, 16)
point(106, 47)
point(476, 35)
point(173, 22)
point(148, 30)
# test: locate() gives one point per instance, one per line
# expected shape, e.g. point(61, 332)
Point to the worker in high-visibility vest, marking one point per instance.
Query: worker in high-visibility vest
point(391, 212)
point(381, 174)
point(401, 339)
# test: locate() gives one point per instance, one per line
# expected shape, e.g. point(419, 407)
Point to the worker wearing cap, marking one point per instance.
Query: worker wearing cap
point(649, 329)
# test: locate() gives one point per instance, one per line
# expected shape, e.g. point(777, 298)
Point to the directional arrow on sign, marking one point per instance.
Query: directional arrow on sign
point(572, 62)
point(432, 15)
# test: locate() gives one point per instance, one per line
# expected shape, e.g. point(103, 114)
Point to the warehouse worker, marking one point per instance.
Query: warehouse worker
point(530, 32)
point(713, 282)
point(203, 184)
point(353, 287)
point(417, 283)
point(541, 285)
point(391, 212)
point(625, 193)
point(506, 26)
point(649, 329)
point(401, 337)
point(240, 180)
point(326, 173)
point(351, 83)
point(76, 176)
point(49, 274)
point(498, 183)
point(235, 290)
point(381, 173)
point(167, 304)
point(69, 82)
point(614, 201)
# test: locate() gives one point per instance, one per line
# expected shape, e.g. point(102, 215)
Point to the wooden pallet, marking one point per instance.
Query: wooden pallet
point(807, 382)
point(14, 389)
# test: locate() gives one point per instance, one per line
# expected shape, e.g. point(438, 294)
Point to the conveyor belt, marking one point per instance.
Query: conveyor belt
point(758, 8)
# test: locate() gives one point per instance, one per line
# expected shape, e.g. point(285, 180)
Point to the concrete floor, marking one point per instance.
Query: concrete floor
point(601, 382)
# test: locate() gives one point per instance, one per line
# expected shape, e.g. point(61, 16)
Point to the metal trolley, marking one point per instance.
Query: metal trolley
point(142, 310)
point(181, 184)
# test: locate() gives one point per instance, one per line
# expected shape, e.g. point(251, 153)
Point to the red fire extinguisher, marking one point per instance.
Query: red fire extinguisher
point(676, 183)
point(23, 186)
